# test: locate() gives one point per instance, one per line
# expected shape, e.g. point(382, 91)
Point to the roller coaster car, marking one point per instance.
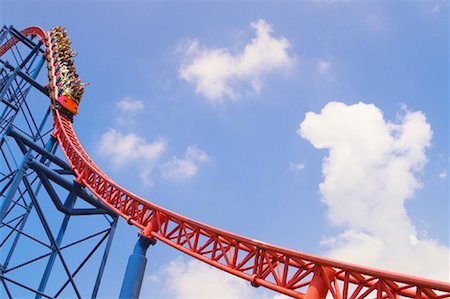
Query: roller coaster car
point(68, 102)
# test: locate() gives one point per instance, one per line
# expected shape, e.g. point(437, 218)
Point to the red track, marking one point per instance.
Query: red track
point(286, 271)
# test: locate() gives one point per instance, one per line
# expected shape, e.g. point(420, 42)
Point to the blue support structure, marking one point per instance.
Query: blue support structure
point(55, 236)
point(134, 274)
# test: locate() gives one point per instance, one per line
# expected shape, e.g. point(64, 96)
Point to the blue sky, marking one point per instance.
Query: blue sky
point(204, 102)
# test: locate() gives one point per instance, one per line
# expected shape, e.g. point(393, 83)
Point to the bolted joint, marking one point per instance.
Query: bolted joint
point(253, 282)
point(27, 162)
point(143, 244)
point(152, 224)
point(130, 220)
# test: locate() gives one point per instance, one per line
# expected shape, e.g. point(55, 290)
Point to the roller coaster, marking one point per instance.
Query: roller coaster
point(42, 255)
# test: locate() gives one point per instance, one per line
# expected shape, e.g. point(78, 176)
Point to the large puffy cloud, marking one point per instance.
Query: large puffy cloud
point(216, 73)
point(370, 171)
point(122, 149)
point(178, 169)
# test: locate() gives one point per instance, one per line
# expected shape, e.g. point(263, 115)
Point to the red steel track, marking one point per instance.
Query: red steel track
point(285, 271)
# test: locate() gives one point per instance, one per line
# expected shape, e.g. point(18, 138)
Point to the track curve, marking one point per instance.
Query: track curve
point(283, 270)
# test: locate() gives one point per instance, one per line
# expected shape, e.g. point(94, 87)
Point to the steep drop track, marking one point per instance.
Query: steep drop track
point(286, 271)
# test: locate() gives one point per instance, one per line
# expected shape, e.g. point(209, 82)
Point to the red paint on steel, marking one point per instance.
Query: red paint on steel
point(321, 282)
point(283, 270)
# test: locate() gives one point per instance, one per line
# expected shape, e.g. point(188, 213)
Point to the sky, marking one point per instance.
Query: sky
point(320, 126)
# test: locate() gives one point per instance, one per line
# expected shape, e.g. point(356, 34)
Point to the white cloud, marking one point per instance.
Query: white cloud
point(128, 104)
point(439, 5)
point(178, 169)
point(323, 66)
point(128, 108)
point(436, 8)
point(122, 149)
point(369, 173)
point(443, 175)
point(194, 279)
point(376, 22)
point(217, 73)
point(296, 166)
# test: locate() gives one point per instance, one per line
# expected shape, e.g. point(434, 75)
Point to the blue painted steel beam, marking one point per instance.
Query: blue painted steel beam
point(105, 256)
point(61, 248)
point(32, 54)
point(16, 83)
point(50, 235)
point(28, 79)
point(21, 285)
point(49, 147)
point(83, 263)
point(134, 274)
point(58, 204)
point(70, 203)
point(34, 75)
point(5, 30)
point(28, 42)
point(19, 175)
point(43, 170)
point(18, 136)
point(16, 239)
point(13, 188)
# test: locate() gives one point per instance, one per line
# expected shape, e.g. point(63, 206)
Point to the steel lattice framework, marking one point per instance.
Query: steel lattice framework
point(46, 248)
point(286, 271)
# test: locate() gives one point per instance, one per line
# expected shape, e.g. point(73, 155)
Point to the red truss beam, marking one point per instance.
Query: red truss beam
point(286, 271)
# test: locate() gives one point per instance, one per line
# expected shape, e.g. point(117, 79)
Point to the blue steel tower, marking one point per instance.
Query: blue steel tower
point(55, 236)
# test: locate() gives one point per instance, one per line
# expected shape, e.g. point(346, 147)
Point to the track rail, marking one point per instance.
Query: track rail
point(286, 271)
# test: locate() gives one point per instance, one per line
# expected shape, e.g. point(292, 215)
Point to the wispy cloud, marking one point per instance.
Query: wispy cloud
point(376, 22)
point(129, 104)
point(439, 5)
point(371, 167)
point(179, 169)
point(128, 108)
point(217, 73)
point(123, 149)
point(296, 166)
point(126, 149)
point(323, 66)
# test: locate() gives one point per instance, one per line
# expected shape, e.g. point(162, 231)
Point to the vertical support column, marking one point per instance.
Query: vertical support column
point(134, 274)
point(320, 283)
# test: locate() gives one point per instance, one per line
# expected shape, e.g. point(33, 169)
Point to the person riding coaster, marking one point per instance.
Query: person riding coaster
point(69, 87)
